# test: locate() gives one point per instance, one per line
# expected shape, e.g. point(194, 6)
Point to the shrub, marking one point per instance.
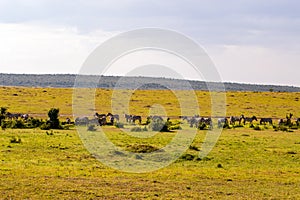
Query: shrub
point(3, 110)
point(15, 140)
point(136, 129)
point(45, 126)
point(194, 148)
point(145, 128)
point(49, 133)
point(238, 126)
point(160, 125)
point(17, 124)
point(257, 128)
point(219, 166)
point(119, 125)
point(141, 148)
point(202, 126)
point(34, 123)
point(187, 156)
point(281, 128)
point(12, 124)
point(175, 127)
point(91, 127)
point(5, 124)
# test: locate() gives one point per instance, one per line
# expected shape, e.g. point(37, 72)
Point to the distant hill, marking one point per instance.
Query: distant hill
point(109, 82)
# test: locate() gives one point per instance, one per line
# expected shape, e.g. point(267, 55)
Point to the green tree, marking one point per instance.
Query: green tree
point(54, 121)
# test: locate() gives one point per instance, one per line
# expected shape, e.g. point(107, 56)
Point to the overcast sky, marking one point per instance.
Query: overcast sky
point(250, 41)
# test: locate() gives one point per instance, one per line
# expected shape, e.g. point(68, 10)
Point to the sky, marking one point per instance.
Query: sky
point(249, 41)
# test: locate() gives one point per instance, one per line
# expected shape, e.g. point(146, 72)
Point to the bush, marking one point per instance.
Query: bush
point(17, 124)
point(12, 124)
point(175, 127)
point(160, 125)
point(34, 123)
point(187, 156)
point(142, 148)
point(257, 128)
point(45, 126)
point(194, 148)
point(91, 127)
point(5, 124)
point(136, 129)
point(15, 140)
point(202, 126)
point(119, 125)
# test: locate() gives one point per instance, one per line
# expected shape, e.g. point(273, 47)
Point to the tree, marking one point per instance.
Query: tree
point(54, 121)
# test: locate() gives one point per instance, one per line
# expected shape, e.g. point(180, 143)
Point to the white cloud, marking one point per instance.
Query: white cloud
point(32, 48)
point(256, 64)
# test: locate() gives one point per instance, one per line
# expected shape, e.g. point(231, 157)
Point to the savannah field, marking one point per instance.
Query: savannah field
point(244, 164)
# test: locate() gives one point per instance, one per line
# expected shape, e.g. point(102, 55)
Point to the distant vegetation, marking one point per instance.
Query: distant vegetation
point(109, 82)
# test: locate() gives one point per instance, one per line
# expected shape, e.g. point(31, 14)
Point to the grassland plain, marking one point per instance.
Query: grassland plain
point(245, 164)
point(37, 101)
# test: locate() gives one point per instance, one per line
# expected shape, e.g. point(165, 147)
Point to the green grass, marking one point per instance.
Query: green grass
point(244, 164)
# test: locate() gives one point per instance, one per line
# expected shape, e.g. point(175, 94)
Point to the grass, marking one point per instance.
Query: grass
point(58, 166)
point(37, 101)
point(244, 164)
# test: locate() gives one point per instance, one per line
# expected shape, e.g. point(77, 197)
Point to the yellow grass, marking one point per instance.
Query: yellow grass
point(37, 101)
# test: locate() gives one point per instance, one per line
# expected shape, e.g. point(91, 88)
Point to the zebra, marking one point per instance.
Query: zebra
point(266, 120)
point(249, 119)
point(222, 122)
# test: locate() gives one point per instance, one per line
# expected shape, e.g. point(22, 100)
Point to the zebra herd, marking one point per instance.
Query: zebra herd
point(15, 116)
point(193, 121)
point(111, 119)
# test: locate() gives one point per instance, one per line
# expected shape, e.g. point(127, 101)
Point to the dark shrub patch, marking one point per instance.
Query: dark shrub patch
point(119, 125)
point(15, 140)
point(136, 129)
point(187, 156)
point(141, 148)
point(91, 127)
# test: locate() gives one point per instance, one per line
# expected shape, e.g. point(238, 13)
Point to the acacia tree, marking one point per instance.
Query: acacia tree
point(54, 121)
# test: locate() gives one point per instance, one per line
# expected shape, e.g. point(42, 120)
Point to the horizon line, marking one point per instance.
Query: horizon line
point(153, 77)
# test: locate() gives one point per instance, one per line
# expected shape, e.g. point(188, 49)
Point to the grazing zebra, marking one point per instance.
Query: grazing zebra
point(117, 117)
point(133, 118)
point(136, 118)
point(188, 119)
point(81, 121)
point(233, 119)
point(194, 121)
point(288, 121)
point(197, 121)
point(128, 118)
point(13, 115)
point(25, 116)
point(101, 119)
point(207, 122)
point(266, 120)
point(249, 119)
point(222, 122)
